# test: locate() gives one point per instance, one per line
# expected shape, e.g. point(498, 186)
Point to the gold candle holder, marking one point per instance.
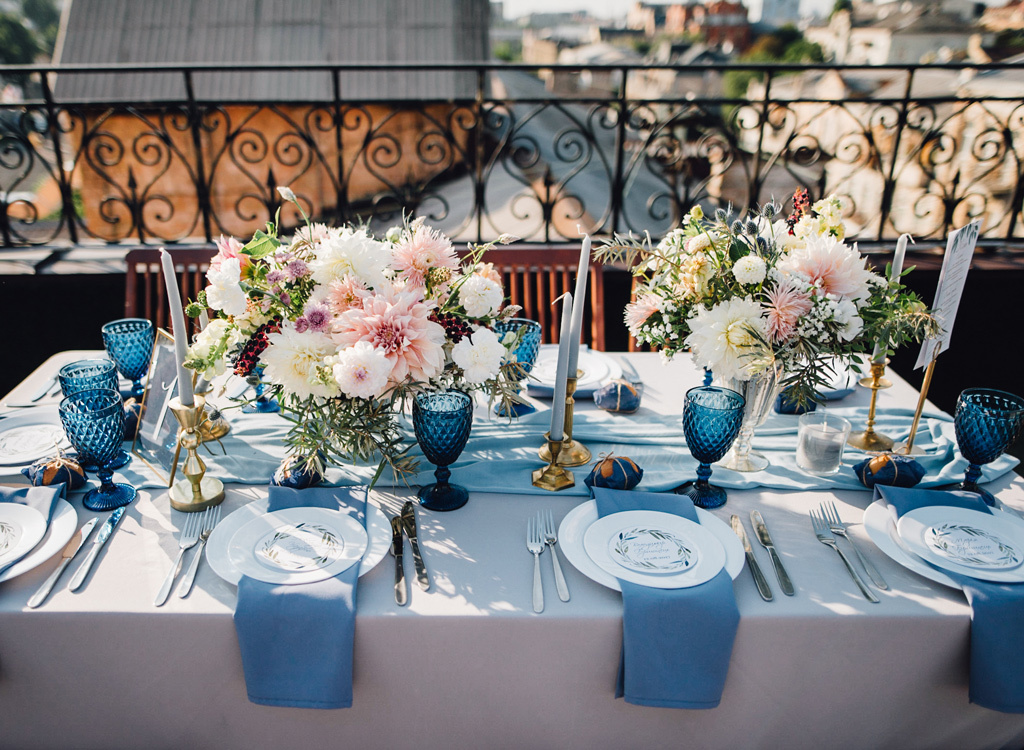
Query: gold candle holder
point(574, 453)
point(196, 491)
point(553, 477)
point(869, 440)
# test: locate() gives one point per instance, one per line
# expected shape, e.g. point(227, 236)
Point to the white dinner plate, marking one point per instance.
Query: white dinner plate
point(881, 529)
point(966, 542)
point(21, 528)
point(576, 522)
point(654, 549)
point(598, 368)
point(298, 545)
point(62, 527)
point(27, 437)
point(378, 531)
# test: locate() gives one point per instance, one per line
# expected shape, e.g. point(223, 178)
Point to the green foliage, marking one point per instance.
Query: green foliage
point(506, 52)
point(784, 45)
point(840, 5)
point(45, 18)
point(18, 45)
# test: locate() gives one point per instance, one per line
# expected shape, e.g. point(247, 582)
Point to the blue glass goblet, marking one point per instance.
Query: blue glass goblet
point(525, 353)
point(86, 375)
point(94, 423)
point(129, 342)
point(262, 404)
point(987, 422)
point(711, 420)
point(442, 422)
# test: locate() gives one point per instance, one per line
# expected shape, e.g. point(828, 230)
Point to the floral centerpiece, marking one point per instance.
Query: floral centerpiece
point(747, 294)
point(345, 326)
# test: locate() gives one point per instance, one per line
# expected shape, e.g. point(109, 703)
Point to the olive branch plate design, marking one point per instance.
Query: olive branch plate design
point(298, 545)
point(655, 549)
point(986, 546)
point(651, 550)
point(21, 528)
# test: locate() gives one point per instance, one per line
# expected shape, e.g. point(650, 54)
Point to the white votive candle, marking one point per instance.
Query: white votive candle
point(179, 330)
point(819, 447)
point(562, 372)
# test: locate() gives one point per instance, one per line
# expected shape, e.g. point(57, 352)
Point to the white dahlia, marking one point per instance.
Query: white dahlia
point(479, 355)
point(721, 337)
point(750, 269)
point(351, 253)
point(292, 359)
point(480, 296)
point(362, 371)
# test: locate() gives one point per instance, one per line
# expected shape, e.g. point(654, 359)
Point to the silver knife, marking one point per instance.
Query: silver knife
point(101, 538)
point(44, 388)
point(761, 532)
point(66, 556)
point(397, 548)
point(755, 570)
point(409, 524)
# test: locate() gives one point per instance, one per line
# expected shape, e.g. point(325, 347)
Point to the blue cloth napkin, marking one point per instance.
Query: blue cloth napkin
point(43, 499)
point(676, 643)
point(296, 641)
point(997, 619)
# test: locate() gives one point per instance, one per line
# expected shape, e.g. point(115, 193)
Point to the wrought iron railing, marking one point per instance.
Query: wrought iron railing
point(535, 152)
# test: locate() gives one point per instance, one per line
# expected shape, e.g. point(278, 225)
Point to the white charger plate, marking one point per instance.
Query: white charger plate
point(21, 528)
point(881, 529)
point(703, 559)
point(298, 545)
point(378, 532)
point(914, 527)
point(62, 527)
point(25, 438)
point(598, 368)
point(576, 522)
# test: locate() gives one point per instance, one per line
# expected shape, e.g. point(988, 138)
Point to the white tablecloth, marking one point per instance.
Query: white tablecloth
point(469, 664)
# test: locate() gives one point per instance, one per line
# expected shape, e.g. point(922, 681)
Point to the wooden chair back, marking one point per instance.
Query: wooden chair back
point(532, 276)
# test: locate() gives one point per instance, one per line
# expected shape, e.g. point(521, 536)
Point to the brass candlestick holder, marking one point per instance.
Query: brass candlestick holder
point(869, 440)
point(574, 453)
point(213, 426)
point(553, 477)
point(196, 491)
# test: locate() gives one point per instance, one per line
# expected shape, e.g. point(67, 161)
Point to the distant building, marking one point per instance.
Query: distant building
point(648, 17)
point(248, 140)
point(604, 83)
point(717, 23)
point(773, 12)
point(1009, 17)
point(893, 34)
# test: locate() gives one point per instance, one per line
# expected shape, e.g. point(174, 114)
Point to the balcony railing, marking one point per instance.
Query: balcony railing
point(131, 154)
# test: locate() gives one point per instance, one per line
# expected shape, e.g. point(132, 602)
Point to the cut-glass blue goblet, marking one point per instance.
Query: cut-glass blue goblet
point(86, 375)
point(987, 422)
point(711, 420)
point(262, 404)
point(525, 353)
point(442, 422)
point(94, 423)
point(129, 342)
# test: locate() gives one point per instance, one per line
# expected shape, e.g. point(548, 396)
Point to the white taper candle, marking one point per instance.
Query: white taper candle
point(179, 330)
point(579, 305)
point(562, 372)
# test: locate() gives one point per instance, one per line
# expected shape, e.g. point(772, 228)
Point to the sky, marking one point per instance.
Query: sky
point(600, 8)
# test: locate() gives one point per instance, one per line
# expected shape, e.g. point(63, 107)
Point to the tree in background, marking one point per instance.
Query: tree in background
point(18, 45)
point(783, 45)
point(45, 19)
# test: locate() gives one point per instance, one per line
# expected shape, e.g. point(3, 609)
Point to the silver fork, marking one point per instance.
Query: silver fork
point(548, 522)
point(838, 527)
point(189, 537)
point(211, 516)
point(824, 534)
point(536, 547)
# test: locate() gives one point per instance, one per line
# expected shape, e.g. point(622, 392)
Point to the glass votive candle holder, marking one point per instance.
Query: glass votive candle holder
point(819, 447)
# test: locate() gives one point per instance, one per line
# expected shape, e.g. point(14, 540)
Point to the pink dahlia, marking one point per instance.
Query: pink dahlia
point(399, 326)
point(831, 266)
point(638, 312)
point(346, 293)
point(425, 249)
point(786, 305)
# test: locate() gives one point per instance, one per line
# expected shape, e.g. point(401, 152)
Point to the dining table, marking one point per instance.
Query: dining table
point(469, 663)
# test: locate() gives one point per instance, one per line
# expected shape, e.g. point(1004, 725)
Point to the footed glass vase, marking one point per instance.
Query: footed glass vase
point(759, 397)
point(442, 422)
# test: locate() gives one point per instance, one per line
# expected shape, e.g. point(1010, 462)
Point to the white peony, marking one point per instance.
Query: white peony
point(362, 371)
point(480, 296)
point(479, 355)
point(213, 341)
point(292, 359)
point(351, 252)
point(721, 337)
point(750, 269)
point(225, 291)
